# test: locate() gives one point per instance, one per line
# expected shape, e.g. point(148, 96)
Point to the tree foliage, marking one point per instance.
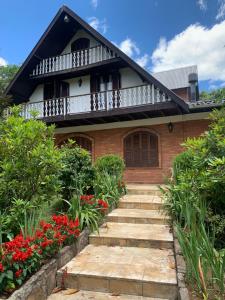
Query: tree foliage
point(6, 75)
point(218, 95)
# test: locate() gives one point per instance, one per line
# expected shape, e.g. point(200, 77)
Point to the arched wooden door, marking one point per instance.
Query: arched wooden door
point(141, 149)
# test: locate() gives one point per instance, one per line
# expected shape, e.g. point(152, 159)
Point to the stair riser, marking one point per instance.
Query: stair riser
point(130, 242)
point(119, 286)
point(137, 220)
point(138, 205)
point(144, 192)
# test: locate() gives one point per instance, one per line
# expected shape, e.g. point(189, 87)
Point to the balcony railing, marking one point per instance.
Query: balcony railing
point(73, 60)
point(89, 103)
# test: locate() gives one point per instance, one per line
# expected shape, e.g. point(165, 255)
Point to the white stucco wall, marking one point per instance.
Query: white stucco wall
point(80, 34)
point(129, 78)
point(38, 94)
point(74, 89)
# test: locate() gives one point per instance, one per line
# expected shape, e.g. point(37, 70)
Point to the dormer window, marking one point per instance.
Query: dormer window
point(80, 44)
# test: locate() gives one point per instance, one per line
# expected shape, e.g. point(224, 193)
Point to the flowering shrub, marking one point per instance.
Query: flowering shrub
point(22, 256)
point(99, 204)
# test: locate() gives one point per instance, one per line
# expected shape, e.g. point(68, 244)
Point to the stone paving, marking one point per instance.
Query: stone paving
point(131, 257)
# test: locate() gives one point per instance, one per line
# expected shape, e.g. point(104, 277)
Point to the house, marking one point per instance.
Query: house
point(81, 82)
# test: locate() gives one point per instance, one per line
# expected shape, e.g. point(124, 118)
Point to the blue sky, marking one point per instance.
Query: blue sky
point(158, 34)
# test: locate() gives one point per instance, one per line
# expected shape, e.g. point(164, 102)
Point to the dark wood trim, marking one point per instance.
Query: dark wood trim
point(131, 111)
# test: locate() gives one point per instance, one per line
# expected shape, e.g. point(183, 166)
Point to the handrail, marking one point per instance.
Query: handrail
point(89, 94)
point(73, 59)
point(71, 52)
point(92, 102)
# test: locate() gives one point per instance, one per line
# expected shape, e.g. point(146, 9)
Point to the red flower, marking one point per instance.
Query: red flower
point(76, 232)
point(60, 220)
point(46, 243)
point(88, 199)
point(18, 273)
point(104, 205)
point(45, 226)
point(39, 233)
point(1, 267)
point(22, 256)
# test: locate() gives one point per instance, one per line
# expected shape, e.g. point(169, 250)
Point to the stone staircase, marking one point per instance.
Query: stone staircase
point(130, 258)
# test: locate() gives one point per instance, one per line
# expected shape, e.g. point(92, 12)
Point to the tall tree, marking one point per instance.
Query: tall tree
point(6, 75)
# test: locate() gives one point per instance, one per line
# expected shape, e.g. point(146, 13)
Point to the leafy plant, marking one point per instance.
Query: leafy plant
point(88, 213)
point(22, 256)
point(195, 198)
point(29, 161)
point(111, 164)
point(77, 173)
point(109, 188)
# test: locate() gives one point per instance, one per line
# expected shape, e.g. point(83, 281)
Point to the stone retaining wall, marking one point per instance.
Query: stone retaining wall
point(41, 284)
point(183, 293)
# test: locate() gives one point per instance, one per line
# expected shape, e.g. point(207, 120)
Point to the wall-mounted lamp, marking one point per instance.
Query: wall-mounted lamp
point(80, 82)
point(170, 127)
point(66, 19)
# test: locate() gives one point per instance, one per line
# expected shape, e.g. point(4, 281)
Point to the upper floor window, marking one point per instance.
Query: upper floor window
point(80, 44)
point(56, 89)
point(141, 149)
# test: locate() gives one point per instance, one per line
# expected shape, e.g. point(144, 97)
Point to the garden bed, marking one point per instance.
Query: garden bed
point(40, 285)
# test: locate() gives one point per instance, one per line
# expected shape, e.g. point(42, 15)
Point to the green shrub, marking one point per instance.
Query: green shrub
point(77, 173)
point(29, 161)
point(111, 164)
point(195, 198)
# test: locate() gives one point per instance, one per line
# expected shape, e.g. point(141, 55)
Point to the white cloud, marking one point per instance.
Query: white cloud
point(221, 10)
point(202, 4)
point(99, 25)
point(94, 3)
point(129, 47)
point(143, 60)
point(3, 62)
point(195, 45)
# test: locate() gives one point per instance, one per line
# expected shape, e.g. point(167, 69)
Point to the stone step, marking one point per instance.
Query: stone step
point(144, 189)
point(141, 202)
point(90, 295)
point(123, 270)
point(133, 235)
point(138, 216)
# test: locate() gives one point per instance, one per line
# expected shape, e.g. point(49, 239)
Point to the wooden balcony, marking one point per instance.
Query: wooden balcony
point(73, 60)
point(115, 105)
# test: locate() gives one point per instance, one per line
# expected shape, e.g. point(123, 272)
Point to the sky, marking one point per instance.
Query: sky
point(158, 34)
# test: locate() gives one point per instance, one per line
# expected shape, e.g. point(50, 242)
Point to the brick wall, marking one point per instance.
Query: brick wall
point(182, 93)
point(111, 141)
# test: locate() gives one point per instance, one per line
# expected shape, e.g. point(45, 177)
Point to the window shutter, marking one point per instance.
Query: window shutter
point(141, 149)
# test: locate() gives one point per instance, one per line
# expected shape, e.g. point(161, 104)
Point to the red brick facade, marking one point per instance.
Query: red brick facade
point(111, 141)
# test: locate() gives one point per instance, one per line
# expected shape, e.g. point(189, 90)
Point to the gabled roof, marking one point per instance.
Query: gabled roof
point(176, 78)
point(54, 40)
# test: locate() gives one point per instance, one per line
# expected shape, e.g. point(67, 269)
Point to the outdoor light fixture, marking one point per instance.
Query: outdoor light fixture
point(170, 127)
point(80, 82)
point(66, 19)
